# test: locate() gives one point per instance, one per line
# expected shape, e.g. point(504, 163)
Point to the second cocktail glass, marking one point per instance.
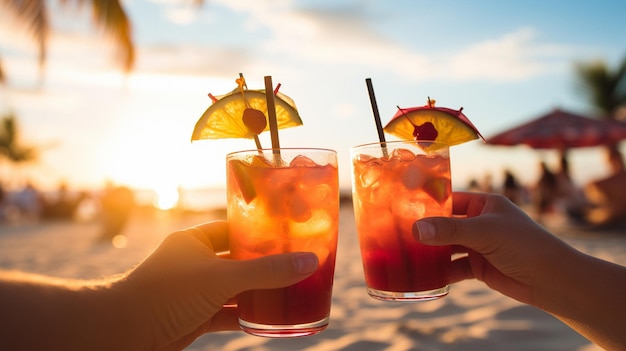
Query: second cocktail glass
point(285, 200)
point(393, 185)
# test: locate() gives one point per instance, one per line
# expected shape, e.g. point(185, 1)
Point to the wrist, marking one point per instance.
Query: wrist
point(107, 317)
point(558, 284)
point(124, 312)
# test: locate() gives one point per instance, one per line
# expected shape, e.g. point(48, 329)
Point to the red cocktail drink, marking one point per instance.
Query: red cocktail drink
point(393, 186)
point(277, 203)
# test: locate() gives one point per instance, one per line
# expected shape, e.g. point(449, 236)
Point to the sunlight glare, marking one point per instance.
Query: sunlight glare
point(166, 197)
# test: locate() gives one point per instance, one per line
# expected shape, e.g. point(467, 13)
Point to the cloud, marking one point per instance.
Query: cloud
point(181, 15)
point(510, 57)
point(188, 59)
point(281, 35)
point(345, 35)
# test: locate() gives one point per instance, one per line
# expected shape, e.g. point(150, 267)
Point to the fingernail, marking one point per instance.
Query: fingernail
point(425, 230)
point(305, 262)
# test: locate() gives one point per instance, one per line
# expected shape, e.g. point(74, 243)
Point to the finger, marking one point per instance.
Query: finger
point(468, 204)
point(269, 272)
point(460, 270)
point(225, 319)
point(458, 249)
point(444, 230)
point(475, 233)
point(214, 234)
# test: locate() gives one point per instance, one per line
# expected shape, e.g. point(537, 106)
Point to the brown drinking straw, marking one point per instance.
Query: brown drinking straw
point(379, 126)
point(271, 116)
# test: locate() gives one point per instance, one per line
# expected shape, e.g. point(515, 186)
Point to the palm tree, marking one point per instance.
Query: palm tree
point(2, 79)
point(10, 146)
point(604, 88)
point(107, 14)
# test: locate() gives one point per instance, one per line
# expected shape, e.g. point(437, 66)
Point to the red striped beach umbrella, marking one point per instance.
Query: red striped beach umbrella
point(562, 130)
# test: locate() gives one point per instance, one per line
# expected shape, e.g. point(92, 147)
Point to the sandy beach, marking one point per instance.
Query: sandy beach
point(471, 317)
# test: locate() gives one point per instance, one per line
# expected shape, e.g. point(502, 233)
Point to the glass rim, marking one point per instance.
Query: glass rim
point(263, 150)
point(396, 142)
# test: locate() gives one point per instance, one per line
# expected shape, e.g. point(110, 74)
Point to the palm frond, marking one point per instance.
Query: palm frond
point(620, 87)
point(107, 14)
point(33, 14)
point(2, 76)
point(605, 89)
point(9, 146)
point(20, 155)
point(8, 130)
point(111, 17)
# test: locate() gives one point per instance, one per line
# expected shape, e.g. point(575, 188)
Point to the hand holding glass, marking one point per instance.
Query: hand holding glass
point(285, 200)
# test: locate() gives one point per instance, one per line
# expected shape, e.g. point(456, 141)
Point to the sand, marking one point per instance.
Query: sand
point(471, 317)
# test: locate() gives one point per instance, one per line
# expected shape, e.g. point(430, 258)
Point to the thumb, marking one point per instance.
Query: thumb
point(275, 271)
point(441, 231)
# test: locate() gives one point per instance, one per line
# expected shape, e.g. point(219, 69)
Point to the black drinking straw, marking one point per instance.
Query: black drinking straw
point(410, 271)
point(379, 126)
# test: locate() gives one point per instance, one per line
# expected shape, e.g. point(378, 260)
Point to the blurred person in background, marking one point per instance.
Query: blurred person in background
point(511, 188)
point(29, 203)
point(64, 203)
point(545, 192)
point(116, 204)
point(3, 199)
point(571, 200)
point(607, 196)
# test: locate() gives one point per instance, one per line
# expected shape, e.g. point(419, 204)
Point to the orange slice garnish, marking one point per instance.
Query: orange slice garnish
point(226, 117)
point(428, 122)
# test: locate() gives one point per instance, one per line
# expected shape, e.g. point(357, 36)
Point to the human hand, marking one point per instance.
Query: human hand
point(180, 290)
point(505, 248)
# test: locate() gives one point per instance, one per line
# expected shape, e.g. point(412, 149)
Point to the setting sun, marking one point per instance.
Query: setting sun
point(166, 197)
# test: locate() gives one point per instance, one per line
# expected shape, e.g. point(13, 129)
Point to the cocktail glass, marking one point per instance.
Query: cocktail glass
point(393, 185)
point(285, 200)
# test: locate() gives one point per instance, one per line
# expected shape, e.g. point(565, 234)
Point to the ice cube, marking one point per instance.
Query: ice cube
point(435, 164)
point(299, 209)
point(312, 176)
point(411, 176)
point(318, 194)
point(302, 161)
point(316, 235)
point(403, 155)
point(369, 175)
point(407, 210)
point(320, 222)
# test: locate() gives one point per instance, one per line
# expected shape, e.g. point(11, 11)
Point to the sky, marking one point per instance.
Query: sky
point(503, 62)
